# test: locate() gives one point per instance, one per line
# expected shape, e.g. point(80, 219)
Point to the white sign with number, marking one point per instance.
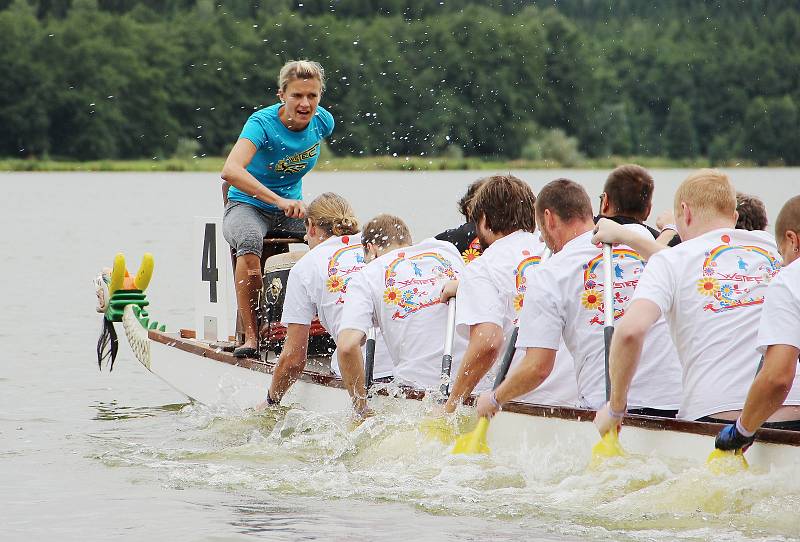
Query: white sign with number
point(212, 278)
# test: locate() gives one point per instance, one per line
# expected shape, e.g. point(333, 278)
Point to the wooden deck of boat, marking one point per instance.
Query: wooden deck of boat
point(317, 372)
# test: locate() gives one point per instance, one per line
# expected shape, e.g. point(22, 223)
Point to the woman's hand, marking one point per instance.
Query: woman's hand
point(293, 208)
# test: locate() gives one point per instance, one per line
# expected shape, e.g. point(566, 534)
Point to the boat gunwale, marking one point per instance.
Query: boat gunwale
point(770, 436)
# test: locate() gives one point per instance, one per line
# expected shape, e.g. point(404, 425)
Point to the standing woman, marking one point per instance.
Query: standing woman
point(277, 147)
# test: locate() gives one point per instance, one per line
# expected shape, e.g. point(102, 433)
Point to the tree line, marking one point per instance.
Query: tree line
point(96, 79)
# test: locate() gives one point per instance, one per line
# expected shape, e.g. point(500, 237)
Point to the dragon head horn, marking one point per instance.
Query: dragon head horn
point(121, 279)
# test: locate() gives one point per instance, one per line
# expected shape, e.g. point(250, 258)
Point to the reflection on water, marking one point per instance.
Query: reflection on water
point(295, 453)
point(110, 410)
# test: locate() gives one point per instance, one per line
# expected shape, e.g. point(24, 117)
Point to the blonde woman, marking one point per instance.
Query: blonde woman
point(277, 147)
point(317, 286)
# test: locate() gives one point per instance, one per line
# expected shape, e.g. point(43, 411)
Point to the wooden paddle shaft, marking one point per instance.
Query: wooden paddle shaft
point(608, 307)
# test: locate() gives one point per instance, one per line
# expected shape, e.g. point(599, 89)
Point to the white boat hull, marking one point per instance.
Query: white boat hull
point(201, 374)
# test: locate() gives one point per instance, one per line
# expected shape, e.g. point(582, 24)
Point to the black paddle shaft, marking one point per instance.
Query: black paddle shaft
point(447, 364)
point(511, 348)
point(608, 333)
point(369, 363)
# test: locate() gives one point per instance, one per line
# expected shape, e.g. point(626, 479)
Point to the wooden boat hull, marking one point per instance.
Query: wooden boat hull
point(213, 377)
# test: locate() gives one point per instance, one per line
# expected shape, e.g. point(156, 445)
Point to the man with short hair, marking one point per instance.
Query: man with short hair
point(491, 290)
point(465, 236)
point(565, 297)
point(710, 288)
point(627, 198)
point(400, 290)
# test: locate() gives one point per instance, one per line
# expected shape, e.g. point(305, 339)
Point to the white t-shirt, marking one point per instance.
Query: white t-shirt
point(400, 290)
point(317, 286)
point(780, 316)
point(566, 296)
point(492, 289)
point(711, 290)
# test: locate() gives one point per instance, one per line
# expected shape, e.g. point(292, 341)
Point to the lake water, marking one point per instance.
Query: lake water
point(86, 455)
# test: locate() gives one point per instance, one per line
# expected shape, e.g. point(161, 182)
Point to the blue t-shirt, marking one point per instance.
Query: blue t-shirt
point(282, 155)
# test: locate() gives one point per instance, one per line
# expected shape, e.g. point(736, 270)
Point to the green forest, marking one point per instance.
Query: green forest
point(126, 79)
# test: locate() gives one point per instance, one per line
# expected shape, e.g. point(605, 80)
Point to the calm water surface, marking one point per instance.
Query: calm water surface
point(86, 456)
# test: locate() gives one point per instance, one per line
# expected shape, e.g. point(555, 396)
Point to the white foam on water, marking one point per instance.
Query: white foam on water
point(386, 459)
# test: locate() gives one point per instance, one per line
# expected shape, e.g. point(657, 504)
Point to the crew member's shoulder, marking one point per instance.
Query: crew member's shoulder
point(759, 237)
point(268, 113)
point(432, 243)
point(790, 276)
point(325, 120)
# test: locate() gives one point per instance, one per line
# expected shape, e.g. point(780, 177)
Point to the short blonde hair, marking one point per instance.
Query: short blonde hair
point(708, 192)
point(384, 231)
point(301, 69)
point(332, 214)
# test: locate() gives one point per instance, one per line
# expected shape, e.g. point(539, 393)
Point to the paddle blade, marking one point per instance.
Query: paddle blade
point(726, 462)
point(607, 448)
point(438, 429)
point(473, 442)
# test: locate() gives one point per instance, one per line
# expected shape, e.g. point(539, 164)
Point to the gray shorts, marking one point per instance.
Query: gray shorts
point(245, 226)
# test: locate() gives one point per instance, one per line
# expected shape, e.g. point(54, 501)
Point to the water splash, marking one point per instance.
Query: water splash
point(387, 459)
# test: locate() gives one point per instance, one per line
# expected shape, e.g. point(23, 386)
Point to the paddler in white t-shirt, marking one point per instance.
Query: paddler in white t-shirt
point(564, 296)
point(317, 286)
point(778, 340)
point(711, 289)
point(491, 291)
point(399, 290)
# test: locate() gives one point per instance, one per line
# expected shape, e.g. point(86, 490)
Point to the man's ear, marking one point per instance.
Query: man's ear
point(793, 239)
point(686, 211)
point(605, 206)
point(549, 219)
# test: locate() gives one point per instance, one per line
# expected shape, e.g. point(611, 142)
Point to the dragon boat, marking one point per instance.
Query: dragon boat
point(205, 370)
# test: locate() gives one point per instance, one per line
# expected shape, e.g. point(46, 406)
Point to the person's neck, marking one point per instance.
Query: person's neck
point(613, 215)
point(288, 122)
point(702, 227)
point(572, 230)
point(493, 238)
point(389, 248)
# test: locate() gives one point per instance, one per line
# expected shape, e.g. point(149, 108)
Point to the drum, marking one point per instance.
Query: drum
point(273, 333)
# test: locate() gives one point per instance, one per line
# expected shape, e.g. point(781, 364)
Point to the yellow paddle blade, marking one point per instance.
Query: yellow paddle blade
point(438, 428)
point(117, 274)
point(606, 448)
point(726, 462)
point(473, 442)
point(145, 273)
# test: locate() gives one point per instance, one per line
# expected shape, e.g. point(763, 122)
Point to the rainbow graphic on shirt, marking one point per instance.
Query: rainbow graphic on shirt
point(343, 263)
point(731, 273)
point(520, 279)
point(627, 266)
point(414, 283)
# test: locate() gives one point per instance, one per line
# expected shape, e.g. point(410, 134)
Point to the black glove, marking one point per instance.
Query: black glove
point(730, 439)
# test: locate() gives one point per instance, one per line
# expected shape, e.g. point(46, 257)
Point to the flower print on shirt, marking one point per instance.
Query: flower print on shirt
point(414, 283)
point(731, 271)
point(626, 267)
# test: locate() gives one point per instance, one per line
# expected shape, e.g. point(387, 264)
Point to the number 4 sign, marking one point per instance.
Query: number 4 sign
point(212, 280)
